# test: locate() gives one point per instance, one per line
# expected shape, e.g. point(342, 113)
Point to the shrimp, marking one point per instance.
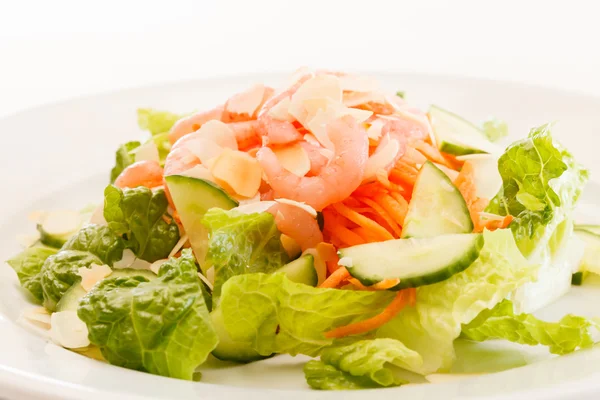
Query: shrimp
point(408, 129)
point(142, 173)
point(250, 134)
point(297, 224)
point(230, 115)
point(337, 180)
point(317, 159)
point(282, 95)
point(193, 123)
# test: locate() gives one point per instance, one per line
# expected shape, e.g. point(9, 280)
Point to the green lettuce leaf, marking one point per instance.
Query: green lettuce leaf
point(565, 336)
point(277, 315)
point(368, 360)
point(241, 244)
point(124, 157)
point(160, 326)
point(28, 265)
point(541, 185)
point(323, 376)
point(431, 326)
point(494, 129)
point(93, 244)
point(156, 122)
point(137, 215)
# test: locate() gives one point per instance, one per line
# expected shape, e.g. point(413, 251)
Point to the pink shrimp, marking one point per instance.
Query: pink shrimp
point(337, 180)
point(141, 173)
point(406, 128)
point(193, 123)
point(297, 224)
point(249, 134)
point(317, 159)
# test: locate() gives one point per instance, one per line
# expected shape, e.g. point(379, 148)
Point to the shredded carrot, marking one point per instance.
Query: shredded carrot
point(369, 189)
point(336, 278)
point(385, 284)
point(367, 236)
point(432, 153)
point(384, 214)
point(403, 173)
point(346, 235)
point(402, 299)
point(395, 208)
point(494, 224)
point(166, 219)
point(362, 221)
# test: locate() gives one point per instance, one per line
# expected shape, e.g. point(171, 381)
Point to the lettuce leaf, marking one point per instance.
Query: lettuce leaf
point(494, 129)
point(368, 360)
point(565, 336)
point(277, 315)
point(123, 158)
point(156, 122)
point(160, 326)
point(28, 265)
point(93, 244)
point(541, 185)
point(137, 215)
point(431, 326)
point(241, 244)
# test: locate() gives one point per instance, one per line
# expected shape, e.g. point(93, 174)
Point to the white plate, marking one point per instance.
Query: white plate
point(60, 156)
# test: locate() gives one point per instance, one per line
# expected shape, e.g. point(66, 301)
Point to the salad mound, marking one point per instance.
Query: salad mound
point(326, 218)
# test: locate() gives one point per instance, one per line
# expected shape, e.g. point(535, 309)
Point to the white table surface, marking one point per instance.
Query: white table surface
point(52, 50)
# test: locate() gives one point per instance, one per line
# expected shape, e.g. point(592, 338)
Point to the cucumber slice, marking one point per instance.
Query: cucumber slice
point(70, 300)
point(301, 270)
point(591, 257)
point(416, 262)
point(436, 207)
point(228, 349)
point(455, 135)
point(56, 227)
point(192, 198)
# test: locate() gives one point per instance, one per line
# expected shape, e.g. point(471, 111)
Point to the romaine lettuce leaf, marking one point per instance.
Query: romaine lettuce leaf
point(277, 315)
point(156, 122)
point(28, 264)
point(93, 244)
point(431, 326)
point(138, 215)
point(124, 157)
point(323, 376)
point(541, 185)
point(241, 244)
point(160, 326)
point(494, 129)
point(565, 336)
point(371, 360)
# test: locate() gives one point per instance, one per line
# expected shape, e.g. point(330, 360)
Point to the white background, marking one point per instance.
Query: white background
point(52, 50)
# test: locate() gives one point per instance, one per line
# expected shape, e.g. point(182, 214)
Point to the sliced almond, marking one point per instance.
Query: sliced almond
point(294, 158)
point(246, 102)
point(239, 171)
point(303, 206)
point(358, 83)
point(204, 149)
point(383, 156)
point(318, 87)
point(291, 247)
point(125, 261)
point(253, 208)
point(374, 131)
point(94, 274)
point(280, 110)
point(68, 330)
point(199, 172)
point(220, 133)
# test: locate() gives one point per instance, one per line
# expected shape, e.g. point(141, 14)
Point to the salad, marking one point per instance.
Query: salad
point(326, 218)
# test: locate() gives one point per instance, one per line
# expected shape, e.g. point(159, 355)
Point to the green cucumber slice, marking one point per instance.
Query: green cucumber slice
point(192, 198)
point(56, 227)
point(590, 234)
point(301, 270)
point(436, 207)
point(416, 262)
point(455, 135)
point(70, 300)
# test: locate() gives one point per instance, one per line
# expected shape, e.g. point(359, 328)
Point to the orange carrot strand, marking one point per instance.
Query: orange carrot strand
point(363, 221)
point(336, 278)
point(402, 299)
